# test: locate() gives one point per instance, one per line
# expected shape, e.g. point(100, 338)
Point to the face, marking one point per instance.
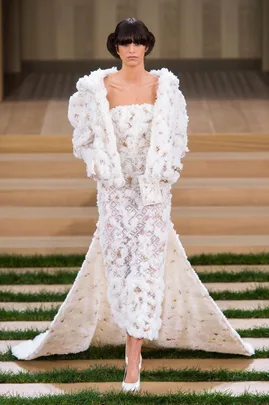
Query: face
point(132, 54)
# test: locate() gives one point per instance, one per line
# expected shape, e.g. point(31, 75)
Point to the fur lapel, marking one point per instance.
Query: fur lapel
point(107, 158)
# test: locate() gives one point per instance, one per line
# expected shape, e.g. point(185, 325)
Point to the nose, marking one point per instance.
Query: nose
point(131, 47)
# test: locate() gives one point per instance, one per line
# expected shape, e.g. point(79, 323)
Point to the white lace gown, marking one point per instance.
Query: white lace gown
point(136, 276)
point(134, 237)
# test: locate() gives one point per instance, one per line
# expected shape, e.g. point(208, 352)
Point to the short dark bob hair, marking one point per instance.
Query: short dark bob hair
point(127, 31)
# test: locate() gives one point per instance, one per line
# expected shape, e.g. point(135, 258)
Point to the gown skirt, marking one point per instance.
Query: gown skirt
point(136, 276)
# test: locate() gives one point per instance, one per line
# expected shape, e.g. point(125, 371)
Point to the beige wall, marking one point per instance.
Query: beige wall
point(77, 29)
point(265, 35)
point(12, 33)
point(1, 53)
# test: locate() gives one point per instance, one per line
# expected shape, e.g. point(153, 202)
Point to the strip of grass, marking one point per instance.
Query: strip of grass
point(10, 260)
point(34, 314)
point(99, 373)
point(113, 397)
point(242, 276)
point(259, 293)
point(6, 296)
point(117, 352)
point(19, 261)
point(23, 334)
point(222, 259)
point(41, 277)
point(31, 333)
point(260, 332)
point(37, 314)
point(247, 313)
point(67, 277)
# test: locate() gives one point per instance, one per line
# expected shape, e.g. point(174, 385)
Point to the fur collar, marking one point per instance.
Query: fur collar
point(107, 159)
point(95, 79)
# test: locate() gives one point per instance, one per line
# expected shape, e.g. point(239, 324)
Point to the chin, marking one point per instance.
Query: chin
point(132, 62)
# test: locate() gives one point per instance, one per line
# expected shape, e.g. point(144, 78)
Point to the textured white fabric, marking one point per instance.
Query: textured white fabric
point(88, 112)
point(136, 275)
point(190, 317)
point(134, 237)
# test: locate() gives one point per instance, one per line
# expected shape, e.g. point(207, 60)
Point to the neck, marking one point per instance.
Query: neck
point(132, 74)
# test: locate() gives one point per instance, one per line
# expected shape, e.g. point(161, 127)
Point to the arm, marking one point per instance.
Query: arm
point(83, 136)
point(180, 140)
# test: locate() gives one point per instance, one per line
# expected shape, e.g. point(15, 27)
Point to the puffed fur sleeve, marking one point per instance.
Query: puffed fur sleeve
point(83, 136)
point(180, 139)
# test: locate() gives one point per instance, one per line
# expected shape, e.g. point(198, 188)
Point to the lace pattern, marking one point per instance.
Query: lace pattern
point(134, 237)
point(136, 274)
point(89, 114)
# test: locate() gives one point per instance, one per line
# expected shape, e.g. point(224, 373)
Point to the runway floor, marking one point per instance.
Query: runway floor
point(218, 102)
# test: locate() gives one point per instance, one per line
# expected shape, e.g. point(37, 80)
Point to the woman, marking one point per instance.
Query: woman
point(130, 127)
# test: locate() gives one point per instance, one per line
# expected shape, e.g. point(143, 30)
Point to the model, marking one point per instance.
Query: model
point(136, 285)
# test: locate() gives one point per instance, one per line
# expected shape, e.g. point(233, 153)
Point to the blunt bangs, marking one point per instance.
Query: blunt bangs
point(132, 33)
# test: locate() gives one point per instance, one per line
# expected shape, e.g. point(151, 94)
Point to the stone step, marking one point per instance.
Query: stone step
point(80, 221)
point(193, 245)
point(186, 192)
point(239, 364)
point(226, 165)
point(252, 142)
point(61, 288)
point(234, 388)
point(223, 304)
point(25, 325)
point(199, 269)
point(65, 165)
point(36, 288)
point(48, 221)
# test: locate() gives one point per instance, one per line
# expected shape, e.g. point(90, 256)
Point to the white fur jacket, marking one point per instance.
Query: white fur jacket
point(94, 139)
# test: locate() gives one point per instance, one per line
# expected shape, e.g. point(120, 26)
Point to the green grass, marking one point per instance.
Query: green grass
point(99, 373)
point(31, 333)
point(19, 261)
point(27, 315)
point(246, 313)
point(68, 277)
point(22, 334)
point(6, 296)
point(239, 277)
point(37, 314)
point(94, 397)
point(259, 293)
point(117, 352)
point(260, 332)
point(10, 260)
point(225, 259)
point(40, 277)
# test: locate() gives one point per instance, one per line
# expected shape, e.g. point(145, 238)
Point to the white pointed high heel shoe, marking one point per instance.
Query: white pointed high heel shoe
point(131, 386)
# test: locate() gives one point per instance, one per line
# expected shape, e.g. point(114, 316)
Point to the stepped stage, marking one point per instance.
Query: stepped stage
point(220, 204)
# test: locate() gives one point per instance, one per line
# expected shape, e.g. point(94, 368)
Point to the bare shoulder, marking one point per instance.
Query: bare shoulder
point(153, 78)
point(111, 80)
point(152, 81)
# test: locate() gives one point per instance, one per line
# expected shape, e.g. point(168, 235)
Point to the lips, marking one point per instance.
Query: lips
point(131, 57)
